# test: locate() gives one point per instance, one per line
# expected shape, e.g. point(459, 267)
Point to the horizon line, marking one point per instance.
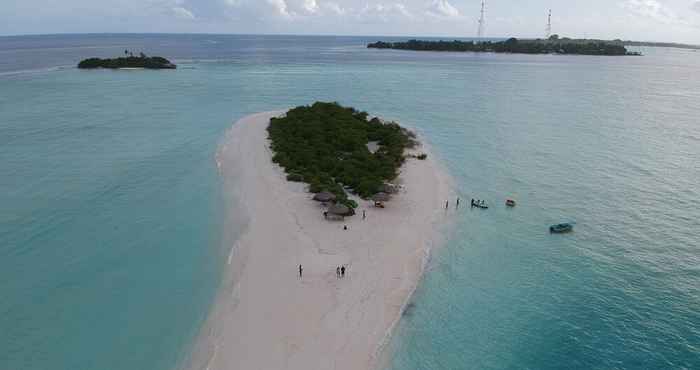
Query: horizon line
point(313, 35)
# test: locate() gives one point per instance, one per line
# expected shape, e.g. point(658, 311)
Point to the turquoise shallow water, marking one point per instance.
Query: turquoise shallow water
point(111, 220)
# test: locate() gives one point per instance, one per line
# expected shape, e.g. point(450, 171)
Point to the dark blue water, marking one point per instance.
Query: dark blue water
point(111, 225)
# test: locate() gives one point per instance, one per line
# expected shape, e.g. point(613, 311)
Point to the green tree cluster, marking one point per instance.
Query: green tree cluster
point(142, 61)
point(325, 145)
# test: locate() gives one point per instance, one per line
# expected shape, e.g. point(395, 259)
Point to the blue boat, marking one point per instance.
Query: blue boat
point(561, 228)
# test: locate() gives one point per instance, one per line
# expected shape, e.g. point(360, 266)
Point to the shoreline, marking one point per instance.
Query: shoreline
point(265, 316)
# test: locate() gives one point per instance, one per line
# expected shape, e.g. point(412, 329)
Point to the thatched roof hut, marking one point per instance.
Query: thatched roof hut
point(389, 188)
point(324, 196)
point(381, 197)
point(340, 210)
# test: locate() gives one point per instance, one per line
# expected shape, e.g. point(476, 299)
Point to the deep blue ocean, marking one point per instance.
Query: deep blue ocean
point(112, 218)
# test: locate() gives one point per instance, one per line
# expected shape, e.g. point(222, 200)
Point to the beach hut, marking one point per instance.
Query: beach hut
point(339, 210)
point(380, 198)
point(324, 196)
point(388, 188)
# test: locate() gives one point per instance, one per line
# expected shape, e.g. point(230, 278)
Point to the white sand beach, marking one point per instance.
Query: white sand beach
point(268, 318)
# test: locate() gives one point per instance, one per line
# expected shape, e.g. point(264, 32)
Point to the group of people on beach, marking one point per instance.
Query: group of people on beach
point(447, 204)
point(340, 272)
point(474, 203)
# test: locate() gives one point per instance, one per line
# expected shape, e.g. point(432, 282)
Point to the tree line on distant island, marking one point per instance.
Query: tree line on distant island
point(657, 44)
point(553, 45)
point(325, 145)
point(128, 61)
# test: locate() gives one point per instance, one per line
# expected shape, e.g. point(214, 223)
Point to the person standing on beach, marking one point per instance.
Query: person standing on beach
point(457, 206)
point(447, 204)
point(301, 270)
point(337, 272)
point(364, 215)
point(342, 271)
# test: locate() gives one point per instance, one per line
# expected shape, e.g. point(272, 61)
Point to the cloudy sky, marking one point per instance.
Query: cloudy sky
point(659, 20)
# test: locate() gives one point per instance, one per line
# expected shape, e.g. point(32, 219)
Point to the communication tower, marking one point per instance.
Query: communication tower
point(480, 32)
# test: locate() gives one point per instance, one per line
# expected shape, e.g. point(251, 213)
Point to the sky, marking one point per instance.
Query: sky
point(652, 20)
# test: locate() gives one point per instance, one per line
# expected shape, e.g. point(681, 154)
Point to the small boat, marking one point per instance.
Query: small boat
point(482, 206)
point(510, 203)
point(561, 228)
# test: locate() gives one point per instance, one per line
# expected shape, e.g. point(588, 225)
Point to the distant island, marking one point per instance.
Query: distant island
point(328, 146)
point(129, 61)
point(552, 45)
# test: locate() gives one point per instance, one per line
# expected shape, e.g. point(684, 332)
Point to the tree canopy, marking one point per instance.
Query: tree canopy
point(325, 145)
point(142, 61)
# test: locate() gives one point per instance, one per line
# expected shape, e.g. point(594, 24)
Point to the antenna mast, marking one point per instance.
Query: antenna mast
point(480, 32)
point(549, 24)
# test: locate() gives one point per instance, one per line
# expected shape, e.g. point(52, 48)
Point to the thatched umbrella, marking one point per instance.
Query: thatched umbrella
point(339, 209)
point(324, 196)
point(381, 197)
point(388, 188)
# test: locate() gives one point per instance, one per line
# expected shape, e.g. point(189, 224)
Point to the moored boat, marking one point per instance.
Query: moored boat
point(510, 202)
point(561, 228)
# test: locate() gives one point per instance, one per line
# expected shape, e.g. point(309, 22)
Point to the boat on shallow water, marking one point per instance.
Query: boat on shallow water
point(561, 228)
point(510, 202)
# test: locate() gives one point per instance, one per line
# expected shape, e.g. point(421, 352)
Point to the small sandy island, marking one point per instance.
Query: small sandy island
point(268, 318)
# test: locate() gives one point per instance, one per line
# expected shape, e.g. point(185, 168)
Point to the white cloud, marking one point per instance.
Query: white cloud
point(333, 8)
point(182, 13)
point(170, 8)
point(442, 9)
point(651, 9)
point(310, 6)
point(286, 9)
point(279, 7)
point(384, 12)
point(303, 7)
point(695, 6)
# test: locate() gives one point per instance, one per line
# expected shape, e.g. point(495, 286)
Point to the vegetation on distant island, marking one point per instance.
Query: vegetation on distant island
point(657, 44)
point(325, 145)
point(128, 61)
point(553, 45)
